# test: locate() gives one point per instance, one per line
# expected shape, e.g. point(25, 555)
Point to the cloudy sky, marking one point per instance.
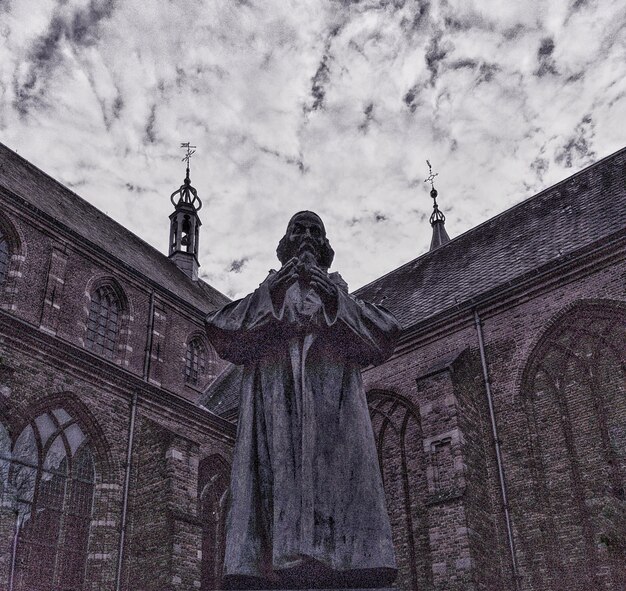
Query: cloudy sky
point(326, 105)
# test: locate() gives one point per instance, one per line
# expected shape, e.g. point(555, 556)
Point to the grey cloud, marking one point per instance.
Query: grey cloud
point(297, 161)
point(368, 111)
point(471, 20)
point(435, 53)
point(318, 91)
point(463, 63)
point(149, 133)
point(322, 74)
point(420, 18)
point(575, 77)
point(547, 65)
point(237, 265)
point(111, 111)
point(577, 149)
point(135, 188)
point(409, 99)
point(512, 32)
point(84, 25)
point(79, 27)
point(487, 71)
point(540, 166)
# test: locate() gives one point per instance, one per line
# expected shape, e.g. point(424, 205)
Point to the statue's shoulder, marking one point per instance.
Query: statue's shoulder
point(339, 281)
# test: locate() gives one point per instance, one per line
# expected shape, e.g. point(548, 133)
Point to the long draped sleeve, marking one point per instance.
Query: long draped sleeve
point(363, 332)
point(245, 328)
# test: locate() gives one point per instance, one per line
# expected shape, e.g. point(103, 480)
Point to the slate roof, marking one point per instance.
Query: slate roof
point(63, 205)
point(222, 395)
point(569, 216)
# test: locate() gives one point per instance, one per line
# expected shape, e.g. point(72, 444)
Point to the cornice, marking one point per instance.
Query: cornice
point(71, 239)
point(557, 273)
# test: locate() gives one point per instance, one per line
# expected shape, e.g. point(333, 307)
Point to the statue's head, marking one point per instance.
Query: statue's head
point(306, 236)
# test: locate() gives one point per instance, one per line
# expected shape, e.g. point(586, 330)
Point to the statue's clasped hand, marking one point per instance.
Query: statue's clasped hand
point(281, 281)
point(325, 288)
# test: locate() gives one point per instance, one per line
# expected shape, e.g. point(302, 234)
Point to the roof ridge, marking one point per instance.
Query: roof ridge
point(60, 185)
point(491, 219)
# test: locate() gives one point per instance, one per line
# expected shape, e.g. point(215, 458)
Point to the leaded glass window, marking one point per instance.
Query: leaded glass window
point(103, 322)
point(195, 360)
point(4, 257)
point(50, 483)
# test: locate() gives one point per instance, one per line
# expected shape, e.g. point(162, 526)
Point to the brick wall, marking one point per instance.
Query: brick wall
point(565, 482)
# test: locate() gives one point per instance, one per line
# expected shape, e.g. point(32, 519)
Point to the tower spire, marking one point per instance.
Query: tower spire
point(184, 222)
point(437, 219)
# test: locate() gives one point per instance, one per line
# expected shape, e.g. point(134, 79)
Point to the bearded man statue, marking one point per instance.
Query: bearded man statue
point(307, 506)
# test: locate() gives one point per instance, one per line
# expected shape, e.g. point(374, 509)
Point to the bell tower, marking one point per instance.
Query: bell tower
point(185, 223)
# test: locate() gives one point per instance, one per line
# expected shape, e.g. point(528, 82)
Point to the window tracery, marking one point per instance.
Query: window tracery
point(573, 395)
point(50, 479)
point(212, 490)
point(4, 256)
point(195, 361)
point(103, 323)
point(398, 437)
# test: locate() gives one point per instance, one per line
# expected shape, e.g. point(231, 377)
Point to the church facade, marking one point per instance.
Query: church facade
point(500, 421)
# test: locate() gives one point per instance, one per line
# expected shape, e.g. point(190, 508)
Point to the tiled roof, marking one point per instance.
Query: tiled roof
point(573, 214)
point(63, 205)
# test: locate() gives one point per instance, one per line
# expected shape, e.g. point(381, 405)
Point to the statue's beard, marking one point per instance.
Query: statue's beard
point(308, 254)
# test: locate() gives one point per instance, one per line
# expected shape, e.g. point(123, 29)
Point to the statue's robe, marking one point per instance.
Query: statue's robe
point(307, 503)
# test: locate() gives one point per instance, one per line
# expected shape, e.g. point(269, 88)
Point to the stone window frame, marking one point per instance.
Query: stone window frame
point(108, 471)
point(202, 366)
point(581, 335)
point(213, 491)
point(120, 349)
point(398, 416)
point(15, 255)
point(51, 473)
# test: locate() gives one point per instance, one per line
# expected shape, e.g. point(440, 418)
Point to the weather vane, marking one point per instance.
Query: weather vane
point(191, 150)
point(436, 216)
point(431, 176)
point(186, 193)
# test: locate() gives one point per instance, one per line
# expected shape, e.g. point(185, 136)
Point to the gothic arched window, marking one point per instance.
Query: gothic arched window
point(213, 480)
point(51, 478)
point(4, 256)
point(398, 436)
point(574, 397)
point(103, 323)
point(199, 361)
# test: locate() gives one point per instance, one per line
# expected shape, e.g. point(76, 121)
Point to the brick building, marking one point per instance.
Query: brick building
point(500, 420)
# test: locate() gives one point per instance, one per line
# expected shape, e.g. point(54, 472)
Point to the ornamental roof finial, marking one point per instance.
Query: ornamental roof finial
point(437, 219)
point(187, 194)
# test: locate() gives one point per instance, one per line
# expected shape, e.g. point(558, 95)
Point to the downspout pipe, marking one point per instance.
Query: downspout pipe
point(494, 432)
point(129, 455)
point(148, 355)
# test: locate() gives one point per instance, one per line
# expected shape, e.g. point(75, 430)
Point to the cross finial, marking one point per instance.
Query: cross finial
point(431, 176)
point(191, 150)
point(186, 193)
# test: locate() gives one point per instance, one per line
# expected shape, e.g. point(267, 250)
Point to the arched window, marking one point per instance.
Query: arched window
point(574, 397)
point(199, 361)
point(4, 256)
point(398, 438)
point(104, 321)
point(213, 478)
point(195, 360)
point(52, 484)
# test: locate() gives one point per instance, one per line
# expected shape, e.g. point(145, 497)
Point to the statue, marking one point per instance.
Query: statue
point(307, 501)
